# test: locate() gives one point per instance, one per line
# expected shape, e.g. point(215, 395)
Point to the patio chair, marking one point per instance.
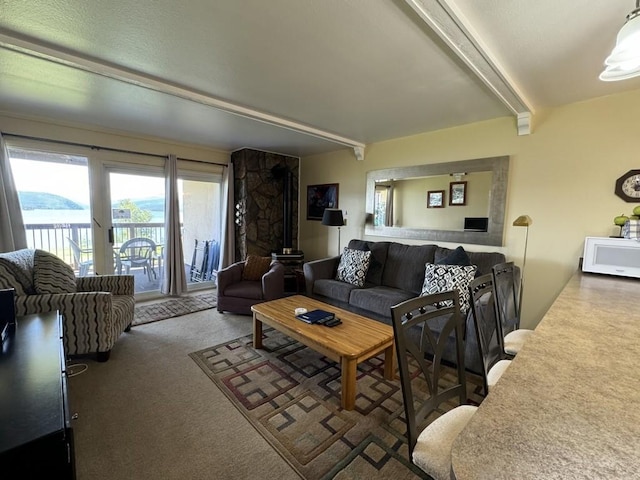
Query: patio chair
point(137, 252)
point(197, 270)
point(83, 265)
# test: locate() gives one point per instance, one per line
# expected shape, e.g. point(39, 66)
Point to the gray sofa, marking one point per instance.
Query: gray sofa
point(396, 273)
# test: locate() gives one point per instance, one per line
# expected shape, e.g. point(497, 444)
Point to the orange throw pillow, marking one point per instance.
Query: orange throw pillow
point(255, 267)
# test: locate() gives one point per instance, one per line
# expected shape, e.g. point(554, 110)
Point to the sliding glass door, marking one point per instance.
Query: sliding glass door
point(103, 212)
point(200, 216)
point(137, 233)
point(55, 200)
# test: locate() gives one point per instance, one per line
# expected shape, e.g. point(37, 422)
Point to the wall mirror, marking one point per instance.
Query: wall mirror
point(459, 202)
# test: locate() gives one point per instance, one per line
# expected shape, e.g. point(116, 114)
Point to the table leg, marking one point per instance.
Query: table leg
point(349, 368)
point(257, 332)
point(389, 362)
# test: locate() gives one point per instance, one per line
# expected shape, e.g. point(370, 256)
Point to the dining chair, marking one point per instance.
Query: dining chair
point(83, 265)
point(488, 332)
point(421, 377)
point(506, 280)
point(137, 252)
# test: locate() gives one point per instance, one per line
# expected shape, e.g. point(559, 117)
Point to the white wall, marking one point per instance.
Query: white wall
point(562, 175)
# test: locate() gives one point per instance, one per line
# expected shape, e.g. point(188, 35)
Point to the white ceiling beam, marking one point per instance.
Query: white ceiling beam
point(449, 24)
point(73, 60)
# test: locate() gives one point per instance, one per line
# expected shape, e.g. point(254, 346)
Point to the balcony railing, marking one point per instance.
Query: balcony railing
point(54, 237)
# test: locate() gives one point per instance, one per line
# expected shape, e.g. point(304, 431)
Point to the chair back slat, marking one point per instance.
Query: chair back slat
point(506, 278)
point(488, 331)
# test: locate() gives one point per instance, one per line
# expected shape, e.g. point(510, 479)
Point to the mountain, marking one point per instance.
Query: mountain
point(46, 201)
point(153, 204)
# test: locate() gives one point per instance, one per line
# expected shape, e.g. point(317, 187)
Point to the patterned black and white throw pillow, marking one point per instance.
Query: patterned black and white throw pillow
point(442, 278)
point(353, 266)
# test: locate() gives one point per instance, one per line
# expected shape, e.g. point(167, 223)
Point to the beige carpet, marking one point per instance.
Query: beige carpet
point(150, 414)
point(291, 395)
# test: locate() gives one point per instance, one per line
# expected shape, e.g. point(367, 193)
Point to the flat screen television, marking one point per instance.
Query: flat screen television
point(476, 224)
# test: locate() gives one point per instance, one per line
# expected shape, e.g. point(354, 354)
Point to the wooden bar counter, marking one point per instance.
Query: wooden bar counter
point(568, 407)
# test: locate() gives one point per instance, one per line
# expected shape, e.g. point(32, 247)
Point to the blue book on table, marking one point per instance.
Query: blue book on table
point(315, 316)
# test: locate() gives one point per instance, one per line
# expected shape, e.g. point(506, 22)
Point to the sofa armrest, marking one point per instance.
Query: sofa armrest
point(230, 275)
point(115, 284)
point(273, 282)
point(317, 269)
point(99, 303)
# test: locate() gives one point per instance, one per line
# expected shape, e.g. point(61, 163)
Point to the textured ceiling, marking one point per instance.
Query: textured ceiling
point(366, 70)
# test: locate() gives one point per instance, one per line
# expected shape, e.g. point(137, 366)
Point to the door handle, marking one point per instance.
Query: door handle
point(110, 234)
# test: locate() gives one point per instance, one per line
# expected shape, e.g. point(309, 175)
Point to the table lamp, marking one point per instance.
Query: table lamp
point(332, 217)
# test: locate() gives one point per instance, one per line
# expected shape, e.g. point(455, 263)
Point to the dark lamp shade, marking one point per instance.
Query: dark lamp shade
point(332, 217)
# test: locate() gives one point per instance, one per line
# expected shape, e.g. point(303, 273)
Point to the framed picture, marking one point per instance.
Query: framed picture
point(458, 193)
point(320, 197)
point(435, 199)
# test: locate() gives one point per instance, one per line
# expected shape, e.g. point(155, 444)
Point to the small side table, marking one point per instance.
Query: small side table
point(292, 270)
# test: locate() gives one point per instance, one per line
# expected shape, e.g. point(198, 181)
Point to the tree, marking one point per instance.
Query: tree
point(131, 213)
point(137, 215)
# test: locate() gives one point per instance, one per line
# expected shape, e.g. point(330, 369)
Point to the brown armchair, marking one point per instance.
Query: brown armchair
point(244, 284)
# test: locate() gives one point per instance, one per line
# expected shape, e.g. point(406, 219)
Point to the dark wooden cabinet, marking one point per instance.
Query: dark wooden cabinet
point(36, 438)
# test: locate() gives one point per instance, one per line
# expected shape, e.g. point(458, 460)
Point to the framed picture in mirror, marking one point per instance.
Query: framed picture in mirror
point(457, 193)
point(435, 199)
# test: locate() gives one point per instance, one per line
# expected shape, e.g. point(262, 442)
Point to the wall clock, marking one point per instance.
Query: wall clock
point(628, 186)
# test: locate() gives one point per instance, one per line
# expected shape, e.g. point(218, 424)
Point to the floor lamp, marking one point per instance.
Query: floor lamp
point(332, 217)
point(523, 221)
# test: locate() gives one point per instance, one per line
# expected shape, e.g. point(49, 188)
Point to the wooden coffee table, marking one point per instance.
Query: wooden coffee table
point(350, 343)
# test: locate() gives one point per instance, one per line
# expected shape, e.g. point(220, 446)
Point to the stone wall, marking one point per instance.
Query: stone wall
point(259, 200)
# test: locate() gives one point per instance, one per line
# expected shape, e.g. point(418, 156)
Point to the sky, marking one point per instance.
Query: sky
point(72, 181)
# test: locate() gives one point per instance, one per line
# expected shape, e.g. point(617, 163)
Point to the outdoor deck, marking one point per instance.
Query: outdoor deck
point(144, 285)
point(62, 239)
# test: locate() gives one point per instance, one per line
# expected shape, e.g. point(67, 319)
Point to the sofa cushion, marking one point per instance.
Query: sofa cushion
point(51, 274)
point(255, 267)
point(333, 289)
point(404, 268)
point(353, 266)
point(378, 258)
point(456, 257)
point(442, 278)
point(378, 299)
point(482, 260)
point(20, 264)
point(244, 289)
point(485, 261)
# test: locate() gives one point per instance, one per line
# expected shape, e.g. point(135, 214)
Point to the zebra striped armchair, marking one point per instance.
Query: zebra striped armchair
point(95, 310)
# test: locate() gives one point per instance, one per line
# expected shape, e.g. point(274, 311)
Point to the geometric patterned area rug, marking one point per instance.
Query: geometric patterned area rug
point(291, 396)
point(174, 307)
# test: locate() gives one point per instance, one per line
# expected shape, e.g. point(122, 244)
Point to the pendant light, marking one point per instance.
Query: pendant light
point(624, 61)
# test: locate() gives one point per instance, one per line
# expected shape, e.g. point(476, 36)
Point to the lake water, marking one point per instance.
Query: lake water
point(69, 216)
